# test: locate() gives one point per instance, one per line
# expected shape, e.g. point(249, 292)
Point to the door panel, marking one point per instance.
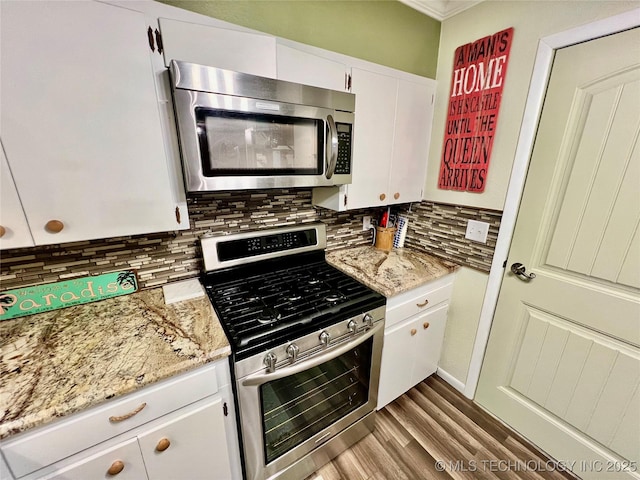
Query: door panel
point(576, 374)
point(562, 365)
point(607, 152)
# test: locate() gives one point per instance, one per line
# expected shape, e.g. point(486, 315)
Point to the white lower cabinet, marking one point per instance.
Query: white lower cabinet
point(413, 341)
point(180, 428)
point(123, 460)
point(189, 445)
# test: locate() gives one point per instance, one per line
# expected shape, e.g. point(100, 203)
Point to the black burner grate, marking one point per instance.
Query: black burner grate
point(278, 303)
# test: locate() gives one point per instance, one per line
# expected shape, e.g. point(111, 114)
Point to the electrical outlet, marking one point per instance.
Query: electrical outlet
point(477, 231)
point(366, 222)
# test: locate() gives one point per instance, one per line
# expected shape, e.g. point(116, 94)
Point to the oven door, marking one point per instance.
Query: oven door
point(289, 413)
point(231, 143)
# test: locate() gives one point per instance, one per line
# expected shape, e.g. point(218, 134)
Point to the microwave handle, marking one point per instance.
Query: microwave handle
point(331, 153)
point(261, 378)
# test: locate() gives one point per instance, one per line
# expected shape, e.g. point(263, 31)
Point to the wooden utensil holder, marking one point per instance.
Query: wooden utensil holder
point(384, 238)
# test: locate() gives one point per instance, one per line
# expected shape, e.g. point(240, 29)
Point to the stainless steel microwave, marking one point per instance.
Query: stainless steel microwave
point(240, 131)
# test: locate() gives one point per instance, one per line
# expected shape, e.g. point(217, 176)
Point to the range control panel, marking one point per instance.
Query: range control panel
point(276, 242)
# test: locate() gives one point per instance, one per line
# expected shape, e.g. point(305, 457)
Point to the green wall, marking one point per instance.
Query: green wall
point(380, 31)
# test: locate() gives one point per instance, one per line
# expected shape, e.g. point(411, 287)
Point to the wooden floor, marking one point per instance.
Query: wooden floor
point(434, 432)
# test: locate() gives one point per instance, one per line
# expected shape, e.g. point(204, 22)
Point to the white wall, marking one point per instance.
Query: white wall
point(462, 323)
point(531, 20)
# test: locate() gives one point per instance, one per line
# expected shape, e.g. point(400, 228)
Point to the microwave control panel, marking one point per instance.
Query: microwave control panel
point(343, 164)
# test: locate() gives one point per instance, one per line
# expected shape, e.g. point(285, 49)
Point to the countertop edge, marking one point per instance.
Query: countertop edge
point(381, 270)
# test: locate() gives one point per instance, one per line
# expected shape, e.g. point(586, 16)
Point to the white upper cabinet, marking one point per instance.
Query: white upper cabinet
point(412, 132)
point(14, 230)
point(372, 138)
point(218, 47)
point(392, 131)
point(81, 124)
point(303, 67)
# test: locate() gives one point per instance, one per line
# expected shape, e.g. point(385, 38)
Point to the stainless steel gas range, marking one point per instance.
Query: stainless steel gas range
point(306, 344)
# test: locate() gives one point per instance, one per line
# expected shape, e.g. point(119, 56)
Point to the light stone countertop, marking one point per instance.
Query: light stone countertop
point(56, 363)
point(389, 273)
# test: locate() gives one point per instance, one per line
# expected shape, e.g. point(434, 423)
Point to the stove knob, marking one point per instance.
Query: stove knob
point(325, 338)
point(352, 326)
point(292, 352)
point(270, 362)
point(368, 319)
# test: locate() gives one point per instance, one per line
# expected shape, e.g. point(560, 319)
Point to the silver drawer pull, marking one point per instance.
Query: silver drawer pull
point(420, 305)
point(115, 419)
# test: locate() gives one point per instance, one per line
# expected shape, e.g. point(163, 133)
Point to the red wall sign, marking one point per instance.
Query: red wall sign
point(479, 69)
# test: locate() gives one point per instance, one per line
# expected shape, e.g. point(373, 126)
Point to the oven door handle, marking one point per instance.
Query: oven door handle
point(261, 378)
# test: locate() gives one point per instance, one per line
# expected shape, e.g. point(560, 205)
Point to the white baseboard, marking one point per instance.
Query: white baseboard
point(451, 380)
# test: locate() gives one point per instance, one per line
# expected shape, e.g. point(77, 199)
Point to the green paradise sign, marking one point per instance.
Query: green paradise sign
point(52, 296)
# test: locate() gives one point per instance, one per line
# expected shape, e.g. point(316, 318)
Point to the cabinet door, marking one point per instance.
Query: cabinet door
point(125, 455)
point(430, 328)
point(14, 228)
point(5, 474)
point(80, 121)
point(196, 445)
point(372, 137)
point(303, 67)
point(414, 111)
point(218, 47)
point(396, 366)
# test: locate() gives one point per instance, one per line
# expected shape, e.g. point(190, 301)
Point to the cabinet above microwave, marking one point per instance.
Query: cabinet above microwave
point(240, 131)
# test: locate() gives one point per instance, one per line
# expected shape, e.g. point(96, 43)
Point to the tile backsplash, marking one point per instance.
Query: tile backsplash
point(440, 229)
point(169, 256)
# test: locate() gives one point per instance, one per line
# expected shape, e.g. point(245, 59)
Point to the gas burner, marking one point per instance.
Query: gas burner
point(334, 297)
point(313, 281)
point(269, 315)
point(294, 296)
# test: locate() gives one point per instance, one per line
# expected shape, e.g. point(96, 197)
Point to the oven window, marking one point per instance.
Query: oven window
point(235, 143)
point(297, 407)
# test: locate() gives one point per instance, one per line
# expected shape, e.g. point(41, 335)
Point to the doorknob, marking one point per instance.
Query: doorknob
point(519, 269)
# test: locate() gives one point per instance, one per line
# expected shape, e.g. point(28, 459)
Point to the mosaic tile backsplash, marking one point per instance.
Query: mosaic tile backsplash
point(165, 257)
point(440, 230)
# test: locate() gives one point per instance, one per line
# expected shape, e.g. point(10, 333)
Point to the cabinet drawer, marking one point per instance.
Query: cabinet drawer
point(98, 465)
point(48, 444)
point(418, 300)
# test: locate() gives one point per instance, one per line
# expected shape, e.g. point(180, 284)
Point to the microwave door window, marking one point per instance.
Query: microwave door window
point(234, 143)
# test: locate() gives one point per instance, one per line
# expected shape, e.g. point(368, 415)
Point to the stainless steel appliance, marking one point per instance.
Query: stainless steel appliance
point(240, 131)
point(306, 345)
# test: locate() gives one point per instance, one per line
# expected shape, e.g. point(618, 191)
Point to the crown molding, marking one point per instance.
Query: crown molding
point(440, 9)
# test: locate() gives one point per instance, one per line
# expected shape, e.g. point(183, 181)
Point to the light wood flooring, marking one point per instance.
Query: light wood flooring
point(432, 423)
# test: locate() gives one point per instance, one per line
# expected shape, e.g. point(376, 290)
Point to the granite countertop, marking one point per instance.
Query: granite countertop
point(389, 273)
point(56, 363)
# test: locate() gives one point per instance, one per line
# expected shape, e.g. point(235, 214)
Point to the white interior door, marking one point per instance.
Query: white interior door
point(562, 365)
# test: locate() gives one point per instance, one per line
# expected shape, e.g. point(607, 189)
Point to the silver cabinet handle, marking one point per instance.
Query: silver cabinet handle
point(332, 147)
point(519, 270)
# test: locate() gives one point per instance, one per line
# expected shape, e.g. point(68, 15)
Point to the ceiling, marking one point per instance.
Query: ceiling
point(440, 9)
